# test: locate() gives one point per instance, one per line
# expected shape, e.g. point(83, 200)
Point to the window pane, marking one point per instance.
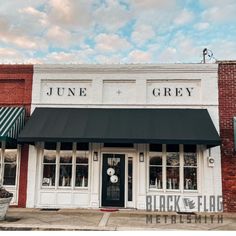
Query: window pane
point(172, 159)
point(190, 159)
point(121, 145)
point(81, 179)
point(66, 157)
point(155, 178)
point(190, 178)
point(9, 174)
point(155, 147)
point(49, 172)
point(172, 148)
point(82, 157)
point(65, 175)
point(49, 156)
point(10, 155)
point(156, 158)
point(130, 179)
point(172, 177)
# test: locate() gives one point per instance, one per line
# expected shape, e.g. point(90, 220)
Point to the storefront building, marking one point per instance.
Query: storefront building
point(15, 105)
point(227, 109)
point(111, 135)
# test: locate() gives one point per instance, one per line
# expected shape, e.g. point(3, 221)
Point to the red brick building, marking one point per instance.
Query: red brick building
point(16, 91)
point(227, 113)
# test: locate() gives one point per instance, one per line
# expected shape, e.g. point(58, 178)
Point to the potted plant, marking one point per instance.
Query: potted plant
point(5, 199)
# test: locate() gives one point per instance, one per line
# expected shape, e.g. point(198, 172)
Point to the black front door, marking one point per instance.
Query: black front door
point(113, 180)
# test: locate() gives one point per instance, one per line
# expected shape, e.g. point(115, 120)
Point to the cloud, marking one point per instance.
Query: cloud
point(114, 59)
point(70, 13)
point(141, 5)
point(111, 43)
point(218, 11)
point(181, 48)
point(142, 33)
point(111, 16)
point(184, 17)
point(201, 26)
point(138, 56)
point(39, 15)
point(59, 37)
point(11, 35)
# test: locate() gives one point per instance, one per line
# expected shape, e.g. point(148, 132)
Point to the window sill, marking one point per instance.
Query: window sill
point(65, 188)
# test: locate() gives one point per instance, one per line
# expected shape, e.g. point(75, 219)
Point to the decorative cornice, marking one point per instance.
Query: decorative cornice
point(126, 68)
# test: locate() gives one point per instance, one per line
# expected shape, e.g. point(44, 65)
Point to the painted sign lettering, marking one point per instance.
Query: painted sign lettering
point(69, 92)
point(173, 92)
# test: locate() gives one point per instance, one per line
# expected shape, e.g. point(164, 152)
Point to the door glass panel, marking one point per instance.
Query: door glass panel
point(130, 179)
point(113, 179)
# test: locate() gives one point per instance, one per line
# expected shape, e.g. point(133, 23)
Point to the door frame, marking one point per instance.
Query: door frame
point(127, 154)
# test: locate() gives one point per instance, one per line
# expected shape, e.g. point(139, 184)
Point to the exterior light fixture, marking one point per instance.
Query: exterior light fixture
point(95, 156)
point(141, 157)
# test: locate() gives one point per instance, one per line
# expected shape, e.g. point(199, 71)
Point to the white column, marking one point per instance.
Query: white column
point(95, 176)
point(141, 178)
point(32, 177)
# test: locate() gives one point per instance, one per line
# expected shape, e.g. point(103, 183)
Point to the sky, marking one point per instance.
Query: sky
point(116, 31)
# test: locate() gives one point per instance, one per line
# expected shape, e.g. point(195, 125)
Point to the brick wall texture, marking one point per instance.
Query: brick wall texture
point(16, 90)
point(227, 110)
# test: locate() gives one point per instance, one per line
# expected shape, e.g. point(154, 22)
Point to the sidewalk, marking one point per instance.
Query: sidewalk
point(86, 219)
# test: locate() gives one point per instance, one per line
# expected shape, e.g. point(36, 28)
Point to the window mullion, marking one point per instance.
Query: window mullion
point(57, 165)
point(181, 168)
point(73, 165)
point(164, 166)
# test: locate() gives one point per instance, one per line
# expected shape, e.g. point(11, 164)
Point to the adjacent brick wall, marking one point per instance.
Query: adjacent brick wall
point(16, 90)
point(227, 108)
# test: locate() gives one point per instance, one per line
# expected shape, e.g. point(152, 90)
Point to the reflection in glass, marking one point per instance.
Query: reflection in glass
point(65, 171)
point(172, 159)
point(65, 175)
point(49, 175)
point(172, 177)
point(190, 159)
point(155, 171)
point(49, 156)
point(190, 168)
point(190, 178)
point(81, 175)
point(10, 155)
point(9, 171)
point(155, 177)
point(172, 170)
point(49, 168)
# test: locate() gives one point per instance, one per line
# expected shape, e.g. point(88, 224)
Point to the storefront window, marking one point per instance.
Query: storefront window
point(155, 170)
point(172, 167)
point(9, 170)
point(190, 168)
point(65, 168)
point(49, 168)
point(179, 167)
point(81, 179)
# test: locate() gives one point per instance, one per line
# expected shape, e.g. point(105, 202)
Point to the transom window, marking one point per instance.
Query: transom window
point(173, 168)
point(66, 168)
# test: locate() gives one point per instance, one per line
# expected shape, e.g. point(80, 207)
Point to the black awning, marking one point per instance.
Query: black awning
point(168, 126)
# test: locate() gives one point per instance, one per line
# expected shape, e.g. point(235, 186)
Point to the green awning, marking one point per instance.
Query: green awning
point(11, 122)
